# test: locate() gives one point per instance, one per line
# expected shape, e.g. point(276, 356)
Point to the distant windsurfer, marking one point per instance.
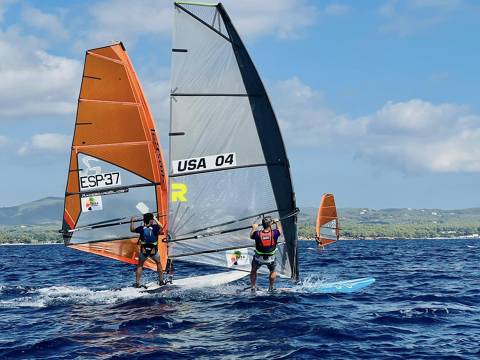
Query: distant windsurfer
point(148, 242)
point(265, 248)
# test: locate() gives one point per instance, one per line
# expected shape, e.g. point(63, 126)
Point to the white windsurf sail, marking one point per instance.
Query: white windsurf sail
point(228, 164)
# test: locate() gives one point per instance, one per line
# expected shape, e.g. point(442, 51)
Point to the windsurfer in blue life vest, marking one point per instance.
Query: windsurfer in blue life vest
point(148, 242)
point(265, 248)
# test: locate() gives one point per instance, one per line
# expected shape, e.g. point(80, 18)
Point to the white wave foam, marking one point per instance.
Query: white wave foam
point(55, 295)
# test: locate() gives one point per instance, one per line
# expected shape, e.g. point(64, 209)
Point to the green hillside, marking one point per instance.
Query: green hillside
point(398, 223)
point(34, 222)
point(40, 212)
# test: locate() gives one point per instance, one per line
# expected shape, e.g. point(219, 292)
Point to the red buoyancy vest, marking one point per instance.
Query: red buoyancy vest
point(266, 243)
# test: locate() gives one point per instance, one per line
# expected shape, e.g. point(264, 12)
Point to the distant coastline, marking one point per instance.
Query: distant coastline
point(300, 239)
point(30, 244)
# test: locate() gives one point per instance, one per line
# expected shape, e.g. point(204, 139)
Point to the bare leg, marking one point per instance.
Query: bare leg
point(159, 272)
point(271, 279)
point(253, 278)
point(138, 272)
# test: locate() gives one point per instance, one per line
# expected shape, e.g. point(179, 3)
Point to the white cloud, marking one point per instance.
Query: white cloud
point(412, 16)
point(304, 117)
point(415, 118)
point(411, 136)
point(282, 18)
point(46, 143)
point(118, 19)
point(34, 82)
point(44, 21)
point(115, 20)
point(417, 136)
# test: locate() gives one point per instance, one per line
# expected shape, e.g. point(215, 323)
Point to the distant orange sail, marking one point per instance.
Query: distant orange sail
point(327, 230)
point(116, 161)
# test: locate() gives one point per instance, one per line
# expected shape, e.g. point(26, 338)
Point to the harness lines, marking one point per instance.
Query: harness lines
point(148, 241)
point(267, 244)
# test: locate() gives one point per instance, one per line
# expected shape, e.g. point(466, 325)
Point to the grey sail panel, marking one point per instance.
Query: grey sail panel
point(215, 125)
point(228, 156)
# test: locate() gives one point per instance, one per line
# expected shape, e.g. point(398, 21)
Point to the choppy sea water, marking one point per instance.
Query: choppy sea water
point(57, 303)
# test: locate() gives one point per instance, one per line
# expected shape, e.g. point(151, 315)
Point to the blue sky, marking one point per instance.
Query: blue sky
point(377, 101)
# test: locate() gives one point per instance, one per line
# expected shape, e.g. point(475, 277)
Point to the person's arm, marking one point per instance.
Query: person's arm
point(254, 228)
point(159, 224)
point(132, 224)
point(278, 224)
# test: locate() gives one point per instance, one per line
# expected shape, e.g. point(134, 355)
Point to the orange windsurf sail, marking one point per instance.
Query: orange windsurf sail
point(327, 231)
point(116, 161)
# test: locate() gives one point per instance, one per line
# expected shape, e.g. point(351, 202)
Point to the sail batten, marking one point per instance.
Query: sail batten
point(110, 102)
point(230, 159)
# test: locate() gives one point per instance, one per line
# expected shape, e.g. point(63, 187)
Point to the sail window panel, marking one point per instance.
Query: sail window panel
point(108, 123)
point(209, 66)
point(207, 203)
point(105, 80)
point(328, 233)
point(208, 14)
point(115, 206)
point(223, 258)
point(215, 125)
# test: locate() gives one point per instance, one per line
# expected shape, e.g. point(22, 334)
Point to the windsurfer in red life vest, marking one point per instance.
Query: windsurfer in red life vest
point(148, 242)
point(265, 248)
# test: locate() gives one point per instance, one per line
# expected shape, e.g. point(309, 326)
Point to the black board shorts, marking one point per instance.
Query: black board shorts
point(143, 257)
point(259, 260)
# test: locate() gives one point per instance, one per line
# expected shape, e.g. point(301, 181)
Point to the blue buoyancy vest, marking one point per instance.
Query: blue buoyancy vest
point(149, 241)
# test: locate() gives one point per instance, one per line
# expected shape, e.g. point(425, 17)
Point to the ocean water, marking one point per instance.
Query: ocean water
point(57, 303)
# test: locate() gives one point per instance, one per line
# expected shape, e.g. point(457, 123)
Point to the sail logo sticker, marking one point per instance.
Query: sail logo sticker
point(178, 192)
point(91, 203)
point(204, 163)
point(100, 180)
point(237, 257)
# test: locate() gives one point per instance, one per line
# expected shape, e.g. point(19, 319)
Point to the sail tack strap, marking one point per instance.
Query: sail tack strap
point(294, 213)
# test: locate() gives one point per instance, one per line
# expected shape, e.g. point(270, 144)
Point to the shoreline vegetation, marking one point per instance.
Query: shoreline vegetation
point(48, 234)
point(355, 223)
